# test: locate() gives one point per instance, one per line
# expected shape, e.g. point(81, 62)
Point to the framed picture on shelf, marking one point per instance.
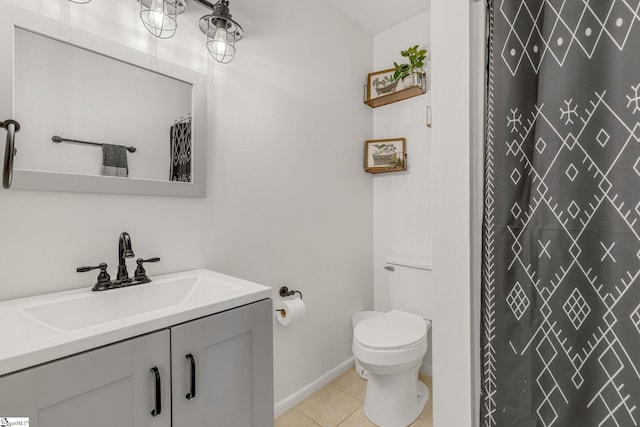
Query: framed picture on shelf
point(385, 155)
point(381, 83)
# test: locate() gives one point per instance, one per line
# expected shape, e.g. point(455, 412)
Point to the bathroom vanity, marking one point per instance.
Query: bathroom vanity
point(188, 349)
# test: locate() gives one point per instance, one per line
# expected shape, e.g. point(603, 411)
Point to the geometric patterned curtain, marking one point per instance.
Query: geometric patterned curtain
point(561, 232)
point(180, 162)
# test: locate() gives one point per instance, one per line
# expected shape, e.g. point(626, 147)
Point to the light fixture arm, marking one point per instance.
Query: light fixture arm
point(207, 4)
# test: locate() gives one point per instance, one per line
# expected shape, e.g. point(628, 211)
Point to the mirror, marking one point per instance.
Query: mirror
point(74, 94)
point(77, 94)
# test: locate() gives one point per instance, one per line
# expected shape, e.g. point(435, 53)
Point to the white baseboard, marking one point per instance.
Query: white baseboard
point(292, 400)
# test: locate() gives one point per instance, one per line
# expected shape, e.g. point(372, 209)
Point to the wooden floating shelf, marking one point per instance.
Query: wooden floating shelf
point(385, 170)
point(395, 96)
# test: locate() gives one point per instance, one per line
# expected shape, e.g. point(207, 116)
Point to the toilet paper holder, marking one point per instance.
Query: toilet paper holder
point(285, 292)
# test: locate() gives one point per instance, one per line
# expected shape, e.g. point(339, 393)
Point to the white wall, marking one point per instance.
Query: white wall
point(401, 200)
point(478, 91)
point(401, 212)
point(287, 200)
point(455, 239)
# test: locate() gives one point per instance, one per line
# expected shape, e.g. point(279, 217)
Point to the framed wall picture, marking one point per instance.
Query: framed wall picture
point(385, 155)
point(381, 83)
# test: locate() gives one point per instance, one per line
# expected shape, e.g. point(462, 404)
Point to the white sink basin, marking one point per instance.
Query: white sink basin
point(38, 329)
point(94, 308)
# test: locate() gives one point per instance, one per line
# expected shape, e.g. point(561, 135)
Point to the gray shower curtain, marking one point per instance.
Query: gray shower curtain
point(561, 251)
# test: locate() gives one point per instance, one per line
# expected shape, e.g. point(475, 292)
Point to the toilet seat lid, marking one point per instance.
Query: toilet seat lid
point(391, 330)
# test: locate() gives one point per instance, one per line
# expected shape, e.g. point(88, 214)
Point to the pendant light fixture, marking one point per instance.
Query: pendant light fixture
point(222, 32)
point(160, 17)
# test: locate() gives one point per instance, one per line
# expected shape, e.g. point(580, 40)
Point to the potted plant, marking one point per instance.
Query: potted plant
point(411, 73)
point(397, 162)
point(385, 85)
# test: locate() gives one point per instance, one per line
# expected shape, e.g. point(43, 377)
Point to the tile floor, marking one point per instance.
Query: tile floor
point(340, 404)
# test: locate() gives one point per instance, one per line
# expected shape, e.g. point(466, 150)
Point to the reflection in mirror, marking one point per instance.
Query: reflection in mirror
point(76, 94)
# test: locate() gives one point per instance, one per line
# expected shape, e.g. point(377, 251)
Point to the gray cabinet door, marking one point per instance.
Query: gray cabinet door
point(18, 396)
point(233, 356)
point(109, 386)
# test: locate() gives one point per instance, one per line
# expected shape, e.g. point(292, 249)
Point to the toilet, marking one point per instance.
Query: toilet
point(390, 346)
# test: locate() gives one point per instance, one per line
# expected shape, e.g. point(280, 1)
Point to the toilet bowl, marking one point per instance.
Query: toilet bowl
point(390, 347)
point(355, 319)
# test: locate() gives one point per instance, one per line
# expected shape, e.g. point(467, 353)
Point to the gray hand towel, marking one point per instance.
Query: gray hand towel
point(114, 160)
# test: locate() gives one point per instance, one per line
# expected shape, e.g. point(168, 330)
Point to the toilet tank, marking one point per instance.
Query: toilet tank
point(410, 285)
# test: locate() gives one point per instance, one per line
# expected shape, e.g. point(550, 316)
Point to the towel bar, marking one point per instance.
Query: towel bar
point(58, 139)
point(9, 150)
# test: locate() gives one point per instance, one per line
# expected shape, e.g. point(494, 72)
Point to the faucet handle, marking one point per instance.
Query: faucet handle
point(140, 273)
point(104, 280)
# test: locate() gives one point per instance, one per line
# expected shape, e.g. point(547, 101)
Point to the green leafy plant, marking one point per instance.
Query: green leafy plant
point(396, 162)
point(416, 59)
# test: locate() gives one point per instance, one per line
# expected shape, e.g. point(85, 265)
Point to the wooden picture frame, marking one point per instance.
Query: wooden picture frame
point(380, 83)
point(385, 155)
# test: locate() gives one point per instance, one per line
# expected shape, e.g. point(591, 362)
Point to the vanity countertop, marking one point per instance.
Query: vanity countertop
point(44, 328)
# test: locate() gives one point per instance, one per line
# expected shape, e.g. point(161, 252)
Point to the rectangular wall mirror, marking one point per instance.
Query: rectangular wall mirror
point(73, 92)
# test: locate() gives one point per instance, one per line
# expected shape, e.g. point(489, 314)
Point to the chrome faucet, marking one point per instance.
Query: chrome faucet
point(124, 251)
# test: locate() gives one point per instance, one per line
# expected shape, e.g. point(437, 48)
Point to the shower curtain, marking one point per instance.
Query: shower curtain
point(561, 232)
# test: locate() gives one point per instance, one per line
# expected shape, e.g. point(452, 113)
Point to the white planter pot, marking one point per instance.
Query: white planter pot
point(413, 79)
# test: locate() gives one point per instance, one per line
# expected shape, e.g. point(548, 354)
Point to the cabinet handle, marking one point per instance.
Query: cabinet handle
point(192, 389)
point(158, 409)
